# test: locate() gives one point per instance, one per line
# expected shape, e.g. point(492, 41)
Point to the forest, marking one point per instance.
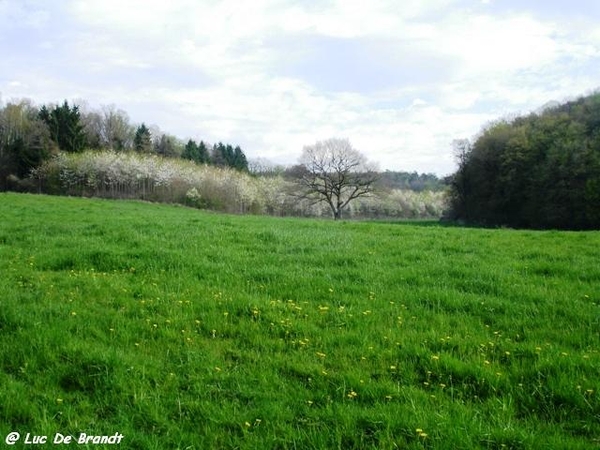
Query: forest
point(538, 171)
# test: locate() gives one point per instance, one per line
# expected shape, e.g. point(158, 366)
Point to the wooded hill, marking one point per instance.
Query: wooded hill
point(536, 171)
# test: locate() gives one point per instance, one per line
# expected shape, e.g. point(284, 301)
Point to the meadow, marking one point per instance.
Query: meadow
point(184, 329)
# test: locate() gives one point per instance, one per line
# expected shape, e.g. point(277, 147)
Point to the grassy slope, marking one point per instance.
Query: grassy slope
point(183, 329)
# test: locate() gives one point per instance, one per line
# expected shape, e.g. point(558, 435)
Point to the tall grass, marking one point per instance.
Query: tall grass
point(185, 329)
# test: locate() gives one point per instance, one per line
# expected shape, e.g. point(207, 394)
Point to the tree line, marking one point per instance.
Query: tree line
point(151, 177)
point(536, 171)
point(30, 135)
point(73, 150)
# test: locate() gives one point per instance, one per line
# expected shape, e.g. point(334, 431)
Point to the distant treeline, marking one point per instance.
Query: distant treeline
point(388, 180)
point(411, 181)
point(536, 171)
point(30, 135)
point(73, 150)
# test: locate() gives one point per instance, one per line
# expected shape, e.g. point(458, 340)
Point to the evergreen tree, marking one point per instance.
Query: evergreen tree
point(65, 126)
point(203, 156)
point(218, 155)
point(191, 151)
point(142, 142)
point(228, 155)
point(239, 160)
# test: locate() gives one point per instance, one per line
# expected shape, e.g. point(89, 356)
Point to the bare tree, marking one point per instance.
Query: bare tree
point(116, 132)
point(332, 171)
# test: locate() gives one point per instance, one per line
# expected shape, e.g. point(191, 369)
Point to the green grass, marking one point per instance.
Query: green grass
point(185, 329)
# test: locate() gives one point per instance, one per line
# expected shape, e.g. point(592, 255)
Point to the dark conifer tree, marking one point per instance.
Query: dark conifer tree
point(142, 142)
point(64, 124)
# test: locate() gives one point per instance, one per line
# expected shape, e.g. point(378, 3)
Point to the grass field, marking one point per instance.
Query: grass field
point(184, 329)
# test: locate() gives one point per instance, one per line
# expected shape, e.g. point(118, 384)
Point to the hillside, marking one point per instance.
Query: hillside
point(536, 171)
point(180, 328)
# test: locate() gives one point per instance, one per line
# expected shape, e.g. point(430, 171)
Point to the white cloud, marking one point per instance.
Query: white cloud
point(400, 80)
point(487, 44)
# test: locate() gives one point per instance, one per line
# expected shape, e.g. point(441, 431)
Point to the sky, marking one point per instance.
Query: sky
point(400, 79)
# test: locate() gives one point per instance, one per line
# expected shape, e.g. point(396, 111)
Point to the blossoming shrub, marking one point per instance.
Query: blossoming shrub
point(398, 203)
point(147, 177)
point(150, 177)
